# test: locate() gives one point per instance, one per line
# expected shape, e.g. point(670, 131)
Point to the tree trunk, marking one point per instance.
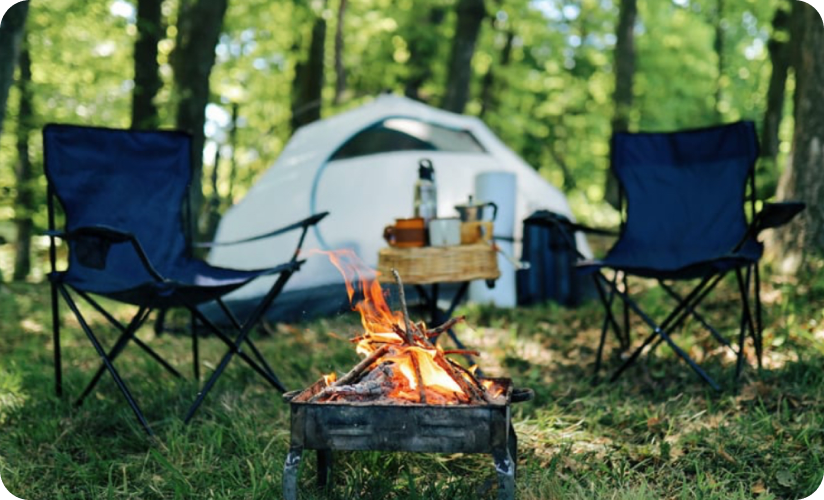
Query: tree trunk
point(308, 83)
point(719, 52)
point(11, 32)
point(422, 43)
point(340, 70)
point(779, 50)
point(198, 30)
point(802, 179)
point(624, 75)
point(24, 200)
point(147, 82)
point(489, 99)
point(471, 14)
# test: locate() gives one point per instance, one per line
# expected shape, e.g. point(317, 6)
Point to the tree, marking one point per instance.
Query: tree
point(422, 42)
point(802, 179)
point(624, 73)
point(340, 70)
point(470, 16)
point(779, 49)
point(307, 87)
point(147, 82)
point(198, 30)
point(11, 32)
point(24, 200)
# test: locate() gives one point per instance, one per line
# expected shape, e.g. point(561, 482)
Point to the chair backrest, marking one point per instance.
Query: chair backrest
point(133, 181)
point(685, 192)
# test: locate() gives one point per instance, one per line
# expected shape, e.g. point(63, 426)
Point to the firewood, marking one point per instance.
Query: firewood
point(475, 382)
point(465, 352)
point(472, 395)
point(355, 372)
point(444, 327)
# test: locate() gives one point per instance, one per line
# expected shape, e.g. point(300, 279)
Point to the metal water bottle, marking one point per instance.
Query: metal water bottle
point(426, 193)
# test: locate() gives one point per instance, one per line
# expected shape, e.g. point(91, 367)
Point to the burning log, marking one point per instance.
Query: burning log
point(410, 337)
point(354, 373)
point(444, 327)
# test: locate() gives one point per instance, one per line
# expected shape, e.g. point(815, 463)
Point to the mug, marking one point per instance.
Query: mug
point(445, 232)
point(406, 233)
point(475, 231)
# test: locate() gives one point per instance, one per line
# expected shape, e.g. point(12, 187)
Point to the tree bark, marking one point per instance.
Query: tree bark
point(147, 82)
point(308, 83)
point(340, 69)
point(11, 33)
point(779, 50)
point(470, 14)
point(198, 30)
point(422, 43)
point(719, 52)
point(489, 99)
point(802, 179)
point(24, 200)
point(624, 63)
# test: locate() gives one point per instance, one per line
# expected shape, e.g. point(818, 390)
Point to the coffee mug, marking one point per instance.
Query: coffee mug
point(406, 233)
point(445, 232)
point(475, 231)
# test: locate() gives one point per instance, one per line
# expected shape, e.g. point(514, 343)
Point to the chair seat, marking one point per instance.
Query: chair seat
point(648, 265)
point(189, 283)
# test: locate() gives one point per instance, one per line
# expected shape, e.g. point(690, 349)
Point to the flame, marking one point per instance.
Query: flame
point(330, 378)
point(382, 326)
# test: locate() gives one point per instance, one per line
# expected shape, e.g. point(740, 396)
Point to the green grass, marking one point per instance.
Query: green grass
point(657, 433)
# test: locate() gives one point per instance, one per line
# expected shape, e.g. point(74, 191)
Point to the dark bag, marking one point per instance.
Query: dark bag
point(551, 253)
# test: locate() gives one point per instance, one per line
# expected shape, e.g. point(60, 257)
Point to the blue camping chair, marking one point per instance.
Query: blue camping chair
point(124, 197)
point(685, 194)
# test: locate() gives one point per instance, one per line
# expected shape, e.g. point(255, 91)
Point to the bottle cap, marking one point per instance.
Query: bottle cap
point(425, 169)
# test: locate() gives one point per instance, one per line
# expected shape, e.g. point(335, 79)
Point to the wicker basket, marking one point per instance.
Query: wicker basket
point(426, 265)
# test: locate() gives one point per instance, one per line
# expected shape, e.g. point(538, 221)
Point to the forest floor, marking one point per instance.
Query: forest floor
point(656, 433)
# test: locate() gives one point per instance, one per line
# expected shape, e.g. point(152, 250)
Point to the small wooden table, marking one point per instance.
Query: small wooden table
point(432, 266)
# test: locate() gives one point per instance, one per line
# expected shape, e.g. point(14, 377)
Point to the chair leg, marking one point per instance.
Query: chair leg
point(126, 335)
point(625, 339)
point(672, 293)
point(674, 318)
point(58, 362)
point(233, 319)
point(608, 318)
point(759, 326)
point(238, 342)
point(746, 318)
point(195, 348)
point(116, 376)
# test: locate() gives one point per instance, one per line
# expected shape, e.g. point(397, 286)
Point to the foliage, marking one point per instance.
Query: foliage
point(552, 100)
point(657, 433)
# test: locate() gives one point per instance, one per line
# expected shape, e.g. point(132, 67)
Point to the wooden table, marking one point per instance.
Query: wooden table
point(433, 266)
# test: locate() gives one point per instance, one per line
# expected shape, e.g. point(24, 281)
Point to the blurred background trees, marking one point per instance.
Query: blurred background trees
point(553, 78)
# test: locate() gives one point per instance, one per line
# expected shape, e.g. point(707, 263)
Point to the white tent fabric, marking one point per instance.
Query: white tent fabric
point(363, 194)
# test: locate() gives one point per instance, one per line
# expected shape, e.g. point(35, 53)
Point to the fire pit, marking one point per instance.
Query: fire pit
point(353, 426)
point(405, 395)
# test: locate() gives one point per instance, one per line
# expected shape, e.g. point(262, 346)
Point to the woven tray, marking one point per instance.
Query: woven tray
point(419, 266)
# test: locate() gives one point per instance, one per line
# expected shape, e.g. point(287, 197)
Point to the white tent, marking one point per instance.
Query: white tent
point(361, 166)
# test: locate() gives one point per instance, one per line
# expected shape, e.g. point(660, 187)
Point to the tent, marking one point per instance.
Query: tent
point(361, 166)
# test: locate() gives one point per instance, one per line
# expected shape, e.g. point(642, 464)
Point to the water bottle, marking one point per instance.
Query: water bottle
point(426, 193)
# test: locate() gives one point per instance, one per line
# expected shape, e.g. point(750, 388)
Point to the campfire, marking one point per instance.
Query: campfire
point(403, 363)
point(405, 395)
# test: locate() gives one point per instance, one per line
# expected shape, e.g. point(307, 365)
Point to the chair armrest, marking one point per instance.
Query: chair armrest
point(93, 243)
point(774, 215)
point(545, 218)
point(302, 224)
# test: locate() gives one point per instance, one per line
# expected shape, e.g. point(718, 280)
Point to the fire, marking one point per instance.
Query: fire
point(407, 366)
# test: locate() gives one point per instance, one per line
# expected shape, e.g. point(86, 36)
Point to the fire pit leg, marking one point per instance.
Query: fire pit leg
point(505, 467)
point(325, 462)
point(513, 449)
point(290, 474)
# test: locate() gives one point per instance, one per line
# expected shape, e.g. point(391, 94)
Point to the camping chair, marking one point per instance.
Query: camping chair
point(124, 196)
point(685, 195)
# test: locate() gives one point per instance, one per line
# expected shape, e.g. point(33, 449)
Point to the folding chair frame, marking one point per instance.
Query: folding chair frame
point(128, 332)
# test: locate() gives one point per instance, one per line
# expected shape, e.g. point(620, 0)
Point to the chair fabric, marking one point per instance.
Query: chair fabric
point(685, 196)
point(124, 196)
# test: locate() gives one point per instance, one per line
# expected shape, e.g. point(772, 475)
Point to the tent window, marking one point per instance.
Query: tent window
point(404, 134)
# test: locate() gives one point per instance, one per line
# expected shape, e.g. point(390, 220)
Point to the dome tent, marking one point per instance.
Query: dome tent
point(361, 166)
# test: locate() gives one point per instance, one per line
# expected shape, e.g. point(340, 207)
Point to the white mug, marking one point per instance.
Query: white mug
point(445, 232)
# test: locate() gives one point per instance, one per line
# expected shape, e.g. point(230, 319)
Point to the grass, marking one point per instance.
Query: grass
point(656, 433)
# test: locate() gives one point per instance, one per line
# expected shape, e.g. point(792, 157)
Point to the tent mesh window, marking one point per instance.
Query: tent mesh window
point(407, 134)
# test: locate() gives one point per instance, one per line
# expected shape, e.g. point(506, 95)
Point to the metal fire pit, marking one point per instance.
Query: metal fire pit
point(354, 426)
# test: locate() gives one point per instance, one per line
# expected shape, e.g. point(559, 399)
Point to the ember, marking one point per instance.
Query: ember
point(402, 364)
